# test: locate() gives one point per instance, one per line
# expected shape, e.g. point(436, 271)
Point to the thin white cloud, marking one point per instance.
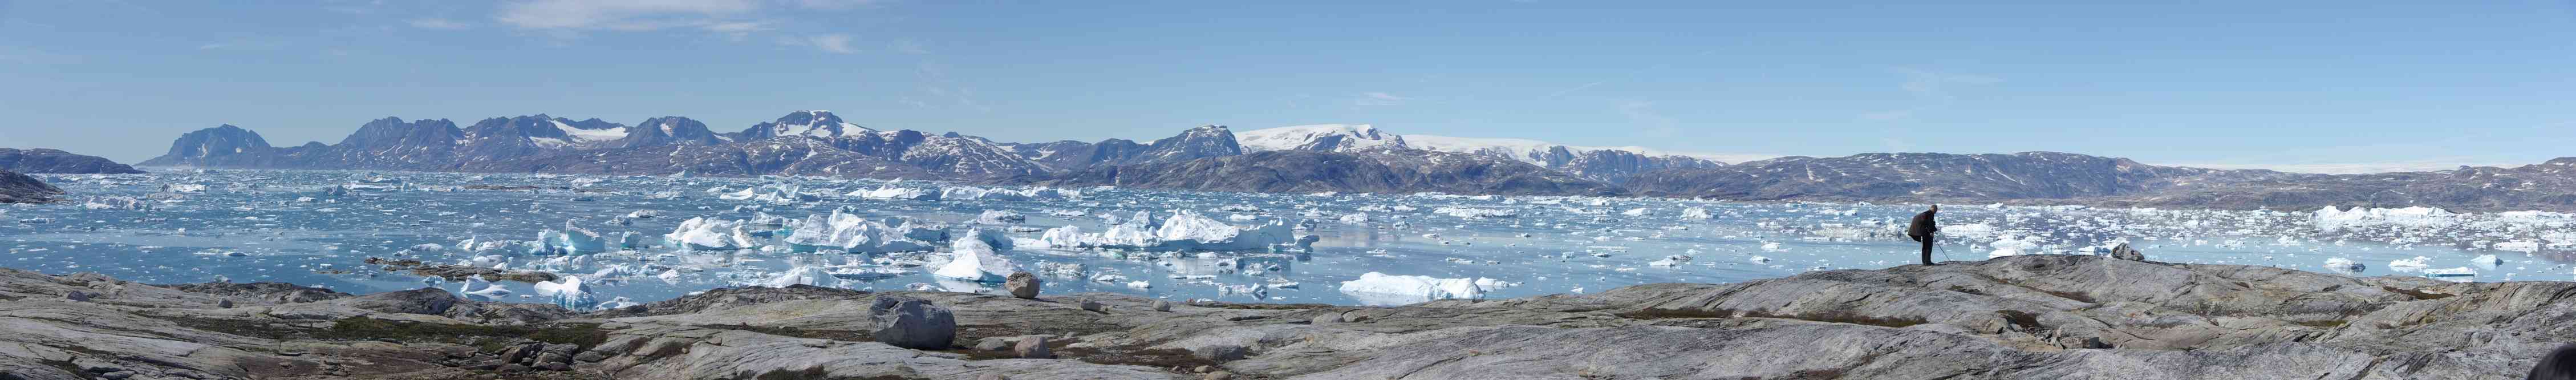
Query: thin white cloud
point(833, 43)
point(1379, 99)
point(1643, 113)
point(623, 15)
point(438, 23)
point(1931, 90)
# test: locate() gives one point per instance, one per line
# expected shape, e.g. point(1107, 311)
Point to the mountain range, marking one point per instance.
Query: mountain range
point(1349, 158)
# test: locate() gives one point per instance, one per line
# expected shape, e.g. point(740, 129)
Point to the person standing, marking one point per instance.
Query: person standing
point(1921, 230)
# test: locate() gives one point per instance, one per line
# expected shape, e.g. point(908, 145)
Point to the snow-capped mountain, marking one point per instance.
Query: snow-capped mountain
point(669, 130)
point(1320, 137)
point(1613, 164)
point(815, 123)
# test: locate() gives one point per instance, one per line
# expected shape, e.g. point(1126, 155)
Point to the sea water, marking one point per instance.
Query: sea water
point(318, 228)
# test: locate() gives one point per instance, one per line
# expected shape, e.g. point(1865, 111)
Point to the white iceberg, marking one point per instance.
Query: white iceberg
point(897, 193)
point(1376, 288)
point(850, 233)
point(973, 259)
point(709, 233)
point(568, 292)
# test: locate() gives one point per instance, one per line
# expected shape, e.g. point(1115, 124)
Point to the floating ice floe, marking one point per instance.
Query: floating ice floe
point(1000, 217)
point(1186, 230)
point(2331, 218)
point(476, 285)
point(1471, 212)
point(568, 292)
point(802, 275)
point(2410, 265)
point(1384, 289)
point(572, 241)
point(850, 233)
point(993, 194)
point(2345, 266)
point(1697, 213)
point(973, 258)
point(897, 193)
point(710, 233)
point(117, 203)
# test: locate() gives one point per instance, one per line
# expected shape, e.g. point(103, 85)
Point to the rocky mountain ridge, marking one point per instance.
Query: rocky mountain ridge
point(55, 161)
point(1352, 158)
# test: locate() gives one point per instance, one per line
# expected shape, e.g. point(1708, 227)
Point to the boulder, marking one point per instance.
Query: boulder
point(2123, 252)
point(1032, 347)
point(912, 323)
point(1024, 285)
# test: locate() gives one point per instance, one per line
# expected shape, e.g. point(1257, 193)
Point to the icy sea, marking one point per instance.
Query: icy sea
point(318, 228)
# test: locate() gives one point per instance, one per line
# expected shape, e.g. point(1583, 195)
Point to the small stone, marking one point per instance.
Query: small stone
point(1218, 375)
point(1033, 347)
point(1024, 285)
point(118, 375)
point(1162, 306)
point(590, 356)
point(224, 304)
point(77, 296)
point(1094, 306)
point(1205, 369)
point(2123, 252)
point(514, 368)
point(995, 343)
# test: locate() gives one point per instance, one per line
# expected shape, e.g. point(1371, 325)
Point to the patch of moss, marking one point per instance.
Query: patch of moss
point(2018, 318)
point(1652, 313)
point(585, 335)
point(2418, 294)
point(2328, 324)
point(1829, 316)
point(809, 373)
point(839, 335)
point(1262, 306)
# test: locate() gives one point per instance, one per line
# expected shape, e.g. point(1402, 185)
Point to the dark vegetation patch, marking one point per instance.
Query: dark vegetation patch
point(839, 335)
point(1262, 306)
point(1836, 316)
point(810, 373)
point(2418, 294)
point(2018, 318)
point(491, 338)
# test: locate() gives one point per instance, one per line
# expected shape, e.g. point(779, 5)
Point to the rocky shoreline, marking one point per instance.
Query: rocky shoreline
point(2035, 316)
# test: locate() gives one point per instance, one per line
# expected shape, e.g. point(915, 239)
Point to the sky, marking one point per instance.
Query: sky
point(2316, 86)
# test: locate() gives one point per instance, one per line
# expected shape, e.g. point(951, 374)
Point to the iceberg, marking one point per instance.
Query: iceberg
point(705, 233)
point(802, 275)
point(476, 285)
point(2345, 266)
point(1000, 217)
point(572, 241)
point(569, 292)
point(850, 233)
point(1697, 213)
point(1376, 288)
point(1471, 213)
point(897, 193)
point(2410, 265)
point(1185, 231)
point(991, 194)
point(973, 259)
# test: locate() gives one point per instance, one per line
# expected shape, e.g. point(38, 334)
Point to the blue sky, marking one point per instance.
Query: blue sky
point(2315, 86)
